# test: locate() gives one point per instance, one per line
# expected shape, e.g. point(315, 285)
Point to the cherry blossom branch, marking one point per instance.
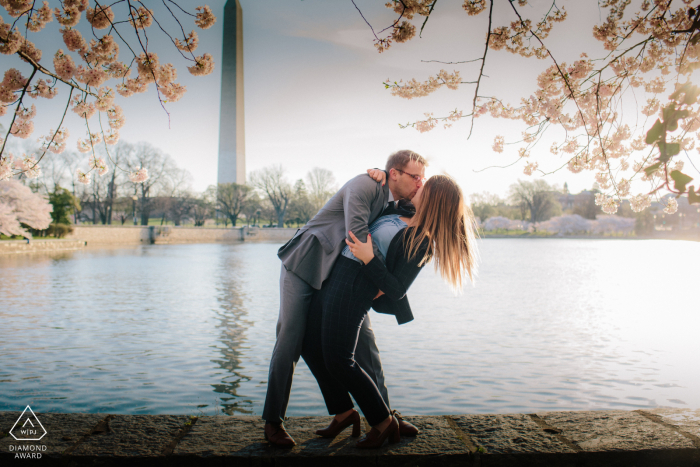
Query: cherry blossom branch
point(17, 108)
point(432, 7)
point(481, 70)
point(58, 128)
point(561, 73)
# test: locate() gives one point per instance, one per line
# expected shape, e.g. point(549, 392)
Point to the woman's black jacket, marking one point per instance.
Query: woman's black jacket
point(395, 278)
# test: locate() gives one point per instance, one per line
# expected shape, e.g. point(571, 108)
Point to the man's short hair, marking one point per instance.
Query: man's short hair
point(401, 158)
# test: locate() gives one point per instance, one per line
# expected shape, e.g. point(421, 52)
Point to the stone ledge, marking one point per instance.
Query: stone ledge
point(657, 437)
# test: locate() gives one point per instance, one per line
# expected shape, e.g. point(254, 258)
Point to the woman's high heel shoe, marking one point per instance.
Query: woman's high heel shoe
point(334, 429)
point(374, 439)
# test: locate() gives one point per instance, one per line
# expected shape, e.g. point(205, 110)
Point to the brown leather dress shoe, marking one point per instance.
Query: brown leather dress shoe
point(405, 428)
point(334, 429)
point(374, 439)
point(278, 436)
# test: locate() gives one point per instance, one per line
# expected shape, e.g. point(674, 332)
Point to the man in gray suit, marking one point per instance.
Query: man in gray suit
point(307, 260)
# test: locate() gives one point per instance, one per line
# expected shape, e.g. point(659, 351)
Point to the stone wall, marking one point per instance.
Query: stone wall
point(113, 234)
point(22, 246)
point(110, 234)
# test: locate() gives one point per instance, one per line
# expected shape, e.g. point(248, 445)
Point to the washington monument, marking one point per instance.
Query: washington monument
point(231, 120)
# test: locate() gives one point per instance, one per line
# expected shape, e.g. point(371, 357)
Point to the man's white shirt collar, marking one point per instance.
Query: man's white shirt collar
point(391, 198)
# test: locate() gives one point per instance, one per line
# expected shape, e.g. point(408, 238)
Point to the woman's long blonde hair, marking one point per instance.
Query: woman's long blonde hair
point(447, 222)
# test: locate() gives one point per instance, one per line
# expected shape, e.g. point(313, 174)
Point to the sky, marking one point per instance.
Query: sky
point(314, 93)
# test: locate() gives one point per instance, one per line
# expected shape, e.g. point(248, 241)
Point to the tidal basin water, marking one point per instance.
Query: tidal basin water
point(551, 324)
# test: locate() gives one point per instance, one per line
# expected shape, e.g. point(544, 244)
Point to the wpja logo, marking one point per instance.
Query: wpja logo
point(28, 428)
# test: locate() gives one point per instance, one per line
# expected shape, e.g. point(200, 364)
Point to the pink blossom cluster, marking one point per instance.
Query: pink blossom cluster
point(607, 203)
point(100, 17)
point(43, 88)
point(56, 141)
point(10, 39)
point(142, 19)
point(86, 145)
point(12, 81)
point(530, 167)
point(498, 144)
point(105, 97)
point(204, 65)
point(640, 202)
point(82, 177)
point(74, 40)
point(417, 89)
point(23, 126)
point(99, 164)
point(64, 65)
point(102, 52)
point(69, 15)
point(205, 18)
point(40, 18)
point(28, 165)
point(15, 8)
point(116, 117)
point(6, 166)
point(189, 44)
point(139, 176)
point(671, 206)
point(83, 108)
point(19, 205)
point(426, 125)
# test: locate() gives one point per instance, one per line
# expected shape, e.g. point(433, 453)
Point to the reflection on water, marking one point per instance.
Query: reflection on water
point(551, 325)
point(233, 326)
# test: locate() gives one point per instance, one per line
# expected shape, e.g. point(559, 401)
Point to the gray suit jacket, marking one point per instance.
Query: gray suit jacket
point(311, 253)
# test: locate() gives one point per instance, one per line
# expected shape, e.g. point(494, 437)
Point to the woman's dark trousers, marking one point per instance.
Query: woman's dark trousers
point(333, 326)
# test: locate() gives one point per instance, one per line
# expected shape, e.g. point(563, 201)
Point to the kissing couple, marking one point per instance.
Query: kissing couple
point(362, 250)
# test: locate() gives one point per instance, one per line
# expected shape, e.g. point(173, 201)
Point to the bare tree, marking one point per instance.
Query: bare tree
point(231, 199)
point(159, 166)
point(301, 208)
point(321, 186)
point(536, 196)
point(272, 182)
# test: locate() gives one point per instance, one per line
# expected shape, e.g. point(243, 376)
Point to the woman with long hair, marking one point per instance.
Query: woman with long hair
point(441, 230)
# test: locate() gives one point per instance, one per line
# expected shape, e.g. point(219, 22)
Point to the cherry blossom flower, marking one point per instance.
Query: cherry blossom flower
point(205, 18)
point(610, 205)
point(99, 164)
point(111, 137)
point(82, 177)
point(43, 89)
point(64, 65)
point(640, 202)
point(204, 65)
point(68, 16)
point(426, 125)
point(6, 166)
point(40, 18)
point(139, 176)
point(28, 165)
point(474, 7)
point(529, 168)
point(82, 108)
point(142, 19)
point(623, 187)
point(671, 206)
point(498, 144)
point(189, 44)
point(73, 40)
point(101, 17)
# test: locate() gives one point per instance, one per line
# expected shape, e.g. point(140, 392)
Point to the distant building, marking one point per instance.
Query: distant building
point(231, 168)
